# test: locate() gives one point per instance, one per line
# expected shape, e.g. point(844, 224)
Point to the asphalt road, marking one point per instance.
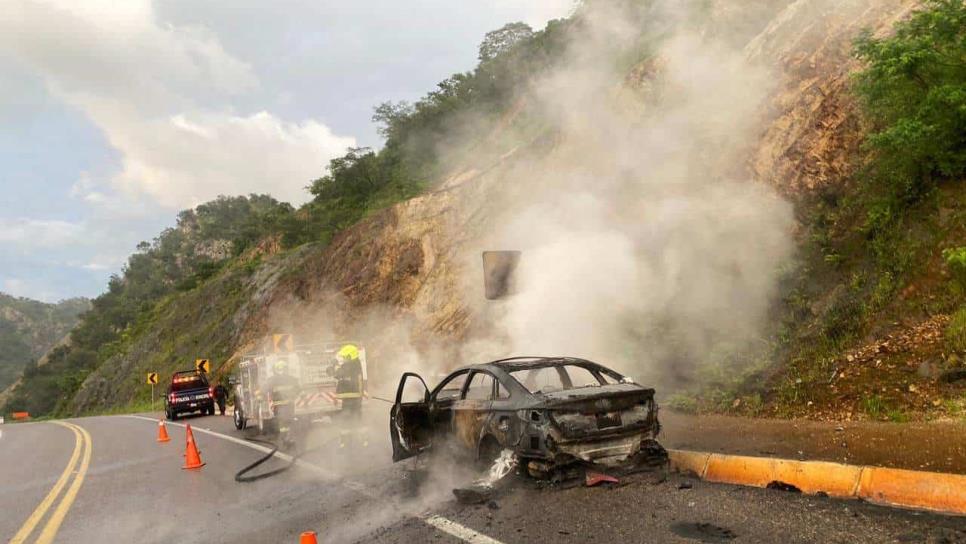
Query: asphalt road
point(134, 490)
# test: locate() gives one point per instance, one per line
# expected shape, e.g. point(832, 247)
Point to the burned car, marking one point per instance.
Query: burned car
point(550, 411)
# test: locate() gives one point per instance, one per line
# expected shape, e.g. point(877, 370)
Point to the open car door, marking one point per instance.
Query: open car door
point(409, 424)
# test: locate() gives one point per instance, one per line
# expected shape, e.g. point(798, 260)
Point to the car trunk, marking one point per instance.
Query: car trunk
point(602, 424)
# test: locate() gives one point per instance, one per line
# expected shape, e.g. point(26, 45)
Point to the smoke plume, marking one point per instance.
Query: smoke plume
point(646, 245)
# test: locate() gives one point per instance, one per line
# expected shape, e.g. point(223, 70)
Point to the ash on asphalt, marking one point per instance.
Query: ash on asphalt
point(702, 532)
point(664, 510)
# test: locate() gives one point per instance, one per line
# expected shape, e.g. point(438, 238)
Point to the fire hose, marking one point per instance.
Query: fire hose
point(241, 477)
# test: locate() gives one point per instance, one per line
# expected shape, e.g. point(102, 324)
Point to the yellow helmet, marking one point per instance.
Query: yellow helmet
point(348, 353)
point(281, 366)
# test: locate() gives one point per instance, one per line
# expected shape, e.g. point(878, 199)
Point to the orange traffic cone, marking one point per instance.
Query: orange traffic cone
point(192, 457)
point(308, 537)
point(162, 432)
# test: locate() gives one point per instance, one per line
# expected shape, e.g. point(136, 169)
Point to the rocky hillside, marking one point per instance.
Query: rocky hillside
point(28, 328)
point(687, 185)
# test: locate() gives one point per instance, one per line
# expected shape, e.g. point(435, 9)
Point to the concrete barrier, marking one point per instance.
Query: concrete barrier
point(934, 491)
point(914, 489)
point(694, 462)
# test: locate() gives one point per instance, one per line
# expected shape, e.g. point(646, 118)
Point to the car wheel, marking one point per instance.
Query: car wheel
point(168, 416)
point(239, 419)
point(174, 416)
point(489, 451)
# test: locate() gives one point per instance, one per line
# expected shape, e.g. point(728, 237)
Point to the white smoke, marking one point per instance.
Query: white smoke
point(646, 245)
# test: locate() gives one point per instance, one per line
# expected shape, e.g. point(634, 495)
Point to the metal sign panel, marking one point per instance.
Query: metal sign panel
point(498, 273)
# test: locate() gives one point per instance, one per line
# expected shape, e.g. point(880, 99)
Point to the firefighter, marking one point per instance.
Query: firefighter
point(283, 389)
point(348, 388)
point(348, 375)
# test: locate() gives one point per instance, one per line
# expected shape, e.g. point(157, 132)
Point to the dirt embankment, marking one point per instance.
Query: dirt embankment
point(938, 447)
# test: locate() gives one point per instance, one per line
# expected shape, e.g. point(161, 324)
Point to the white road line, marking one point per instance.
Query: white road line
point(461, 532)
point(438, 522)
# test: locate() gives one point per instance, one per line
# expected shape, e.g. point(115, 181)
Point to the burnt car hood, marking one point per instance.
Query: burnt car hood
point(567, 399)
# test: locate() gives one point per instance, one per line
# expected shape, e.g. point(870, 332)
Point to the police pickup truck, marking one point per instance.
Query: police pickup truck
point(189, 391)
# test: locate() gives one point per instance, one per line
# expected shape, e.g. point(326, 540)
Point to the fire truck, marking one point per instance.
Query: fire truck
point(314, 368)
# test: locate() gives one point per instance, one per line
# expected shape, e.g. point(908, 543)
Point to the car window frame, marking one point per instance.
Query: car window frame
point(469, 380)
point(439, 388)
point(592, 371)
point(501, 386)
point(597, 371)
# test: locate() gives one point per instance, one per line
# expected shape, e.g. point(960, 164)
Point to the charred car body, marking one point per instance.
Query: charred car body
point(550, 411)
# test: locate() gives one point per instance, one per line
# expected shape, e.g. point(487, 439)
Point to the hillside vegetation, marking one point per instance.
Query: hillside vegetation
point(28, 328)
point(871, 318)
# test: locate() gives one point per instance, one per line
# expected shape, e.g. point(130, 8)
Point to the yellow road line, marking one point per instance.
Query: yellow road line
point(57, 517)
point(45, 504)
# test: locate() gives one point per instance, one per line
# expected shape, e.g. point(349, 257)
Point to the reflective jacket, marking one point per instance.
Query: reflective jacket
point(349, 380)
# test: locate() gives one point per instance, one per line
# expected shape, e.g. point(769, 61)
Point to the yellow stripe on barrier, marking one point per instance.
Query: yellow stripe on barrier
point(892, 487)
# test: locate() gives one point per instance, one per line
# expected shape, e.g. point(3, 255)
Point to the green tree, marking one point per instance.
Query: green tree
point(502, 40)
point(913, 91)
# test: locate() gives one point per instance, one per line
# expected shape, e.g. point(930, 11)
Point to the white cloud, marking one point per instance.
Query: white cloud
point(19, 287)
point(38, 233)
point(158, 92)
point(190, 158)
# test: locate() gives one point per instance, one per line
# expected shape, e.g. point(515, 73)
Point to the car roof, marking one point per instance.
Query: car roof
point(521, 363)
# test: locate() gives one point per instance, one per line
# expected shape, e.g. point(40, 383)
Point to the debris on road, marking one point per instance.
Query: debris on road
point(703, 532)
point(482, 490)
point(594, 478)
point(473, 494)
point(782, 486)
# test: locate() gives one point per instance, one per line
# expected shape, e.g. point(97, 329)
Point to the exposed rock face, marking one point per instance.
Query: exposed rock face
point(814, 129)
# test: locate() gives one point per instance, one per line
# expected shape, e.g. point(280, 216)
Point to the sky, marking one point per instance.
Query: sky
point(116, 115)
